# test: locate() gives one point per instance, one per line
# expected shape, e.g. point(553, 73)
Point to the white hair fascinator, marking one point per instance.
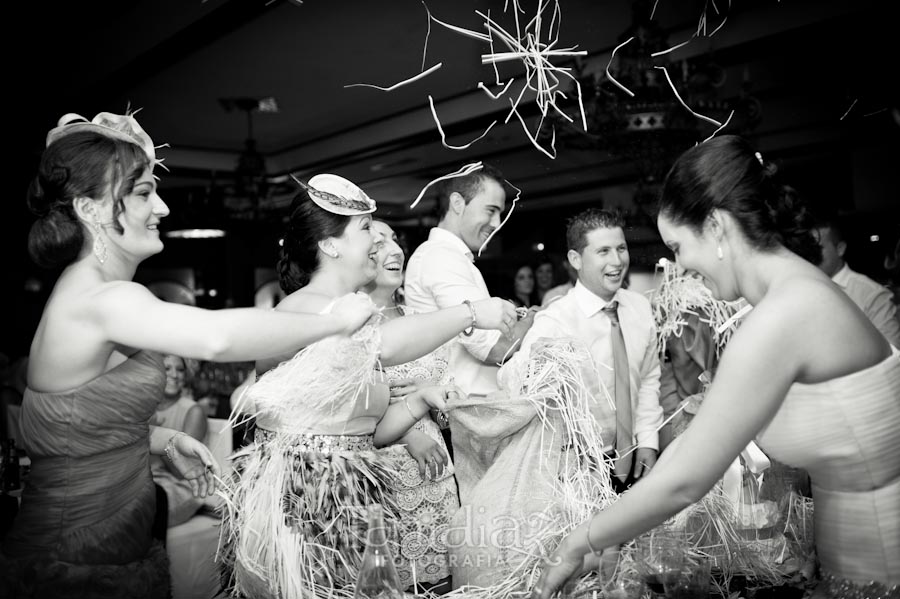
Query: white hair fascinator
point(337, 195)
point(118, 126)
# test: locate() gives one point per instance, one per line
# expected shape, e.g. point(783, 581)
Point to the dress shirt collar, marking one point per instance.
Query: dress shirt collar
point(445, 237)
point(587, 301)
point(842, 277)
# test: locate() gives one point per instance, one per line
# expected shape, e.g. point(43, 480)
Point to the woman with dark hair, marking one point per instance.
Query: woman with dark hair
point(523, 292)
point(806, 375)
point(425, 482)
point(544, 278)
point(295, 514)
point(95, 371)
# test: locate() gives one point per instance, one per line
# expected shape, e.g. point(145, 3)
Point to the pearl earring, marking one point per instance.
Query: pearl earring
point(719, 253)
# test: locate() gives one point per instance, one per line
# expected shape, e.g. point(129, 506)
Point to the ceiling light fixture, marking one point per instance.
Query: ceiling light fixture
point(195, 234)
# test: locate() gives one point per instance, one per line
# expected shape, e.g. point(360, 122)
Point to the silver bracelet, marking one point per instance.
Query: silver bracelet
point(471, 328)
point(170, 447)
point(409, 409)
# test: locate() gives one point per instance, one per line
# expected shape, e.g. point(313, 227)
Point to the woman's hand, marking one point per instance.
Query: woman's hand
point(403, 387)
point(435, 396)
point(427, 452)
point(352, 311)
point(194, 462)
point(562, 567)
point(495, 313)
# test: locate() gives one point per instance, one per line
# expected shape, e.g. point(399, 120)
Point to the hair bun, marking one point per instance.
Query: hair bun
point(794, 223)
point(45, 190)
point(55, 239)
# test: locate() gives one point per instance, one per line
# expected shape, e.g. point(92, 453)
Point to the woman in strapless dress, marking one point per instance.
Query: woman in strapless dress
point(806, 375)
point(95, 371)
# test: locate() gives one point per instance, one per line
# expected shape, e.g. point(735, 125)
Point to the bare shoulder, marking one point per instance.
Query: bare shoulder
point(115, 297)
point(814, 320)
point(304, 301)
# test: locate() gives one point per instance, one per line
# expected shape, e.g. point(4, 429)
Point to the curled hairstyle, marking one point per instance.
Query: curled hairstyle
point(307, 226)
point(726, 173)
point(467, 186)
point(584, 222)
point(80, 164)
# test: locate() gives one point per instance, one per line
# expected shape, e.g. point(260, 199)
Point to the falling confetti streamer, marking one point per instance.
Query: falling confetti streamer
point(437, 122)
point(401, 83)
point(465, 170)
point(608, 74)
point(675, 91)
point(508, 214)
point(849, 109)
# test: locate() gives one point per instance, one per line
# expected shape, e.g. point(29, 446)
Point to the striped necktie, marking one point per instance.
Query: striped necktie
point(624, 424)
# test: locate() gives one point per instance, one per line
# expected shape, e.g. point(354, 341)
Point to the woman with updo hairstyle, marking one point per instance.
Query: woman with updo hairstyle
point(95, 371)
point(295, 515)
point(307, 224)
point(806, 375)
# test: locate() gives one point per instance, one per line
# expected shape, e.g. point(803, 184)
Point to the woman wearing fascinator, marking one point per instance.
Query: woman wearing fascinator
point(806, 375)
point(96, 373)
point(295, 520)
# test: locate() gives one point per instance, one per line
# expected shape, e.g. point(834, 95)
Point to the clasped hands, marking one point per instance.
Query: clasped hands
point(435, 397)
point(430, 455)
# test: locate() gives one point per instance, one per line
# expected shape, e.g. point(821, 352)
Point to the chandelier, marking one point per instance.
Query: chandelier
point(251, 182)
point(651, 128)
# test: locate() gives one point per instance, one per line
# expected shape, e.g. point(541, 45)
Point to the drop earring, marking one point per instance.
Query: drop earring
point(99, 245)
point(719, 253)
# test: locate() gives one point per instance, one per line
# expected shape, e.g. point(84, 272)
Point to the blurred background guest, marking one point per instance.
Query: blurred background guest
point(873, 298)
point(562, 289)
point(178, 411)
point(544, 277)
point(523, 295)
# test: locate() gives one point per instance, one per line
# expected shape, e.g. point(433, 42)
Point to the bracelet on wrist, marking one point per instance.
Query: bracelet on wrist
point(170, 447)
point(409, 409)
point(471, 328)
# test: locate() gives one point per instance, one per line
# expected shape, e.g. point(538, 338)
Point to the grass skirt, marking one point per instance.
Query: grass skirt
point(294, 515)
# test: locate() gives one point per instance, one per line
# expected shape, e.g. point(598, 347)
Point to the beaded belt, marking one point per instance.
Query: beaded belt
point(310, 443)
point(836, 586)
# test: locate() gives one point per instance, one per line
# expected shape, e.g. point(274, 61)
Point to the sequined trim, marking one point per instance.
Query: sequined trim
point(325, 444)
point(834, 586)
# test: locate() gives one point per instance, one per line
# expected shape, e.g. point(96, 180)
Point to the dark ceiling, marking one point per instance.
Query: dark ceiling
point(805, 61)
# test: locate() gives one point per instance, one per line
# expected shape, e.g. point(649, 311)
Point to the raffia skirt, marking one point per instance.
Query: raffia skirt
point(294, 515)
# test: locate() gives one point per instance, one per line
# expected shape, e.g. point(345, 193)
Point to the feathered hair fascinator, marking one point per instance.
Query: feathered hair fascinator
point(118, 126)
point(337, 195)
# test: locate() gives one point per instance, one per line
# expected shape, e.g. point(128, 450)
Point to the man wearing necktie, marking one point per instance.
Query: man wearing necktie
point(618, 328)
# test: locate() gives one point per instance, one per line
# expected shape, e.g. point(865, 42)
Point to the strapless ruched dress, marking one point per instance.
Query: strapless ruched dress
point(84, 525)
point(846, 433)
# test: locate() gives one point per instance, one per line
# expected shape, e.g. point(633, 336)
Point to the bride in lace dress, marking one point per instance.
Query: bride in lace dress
point(425, 490)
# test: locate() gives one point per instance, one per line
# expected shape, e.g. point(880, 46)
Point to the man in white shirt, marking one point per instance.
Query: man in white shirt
point(441, 273)
point(873, 299)
point(599, 253)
